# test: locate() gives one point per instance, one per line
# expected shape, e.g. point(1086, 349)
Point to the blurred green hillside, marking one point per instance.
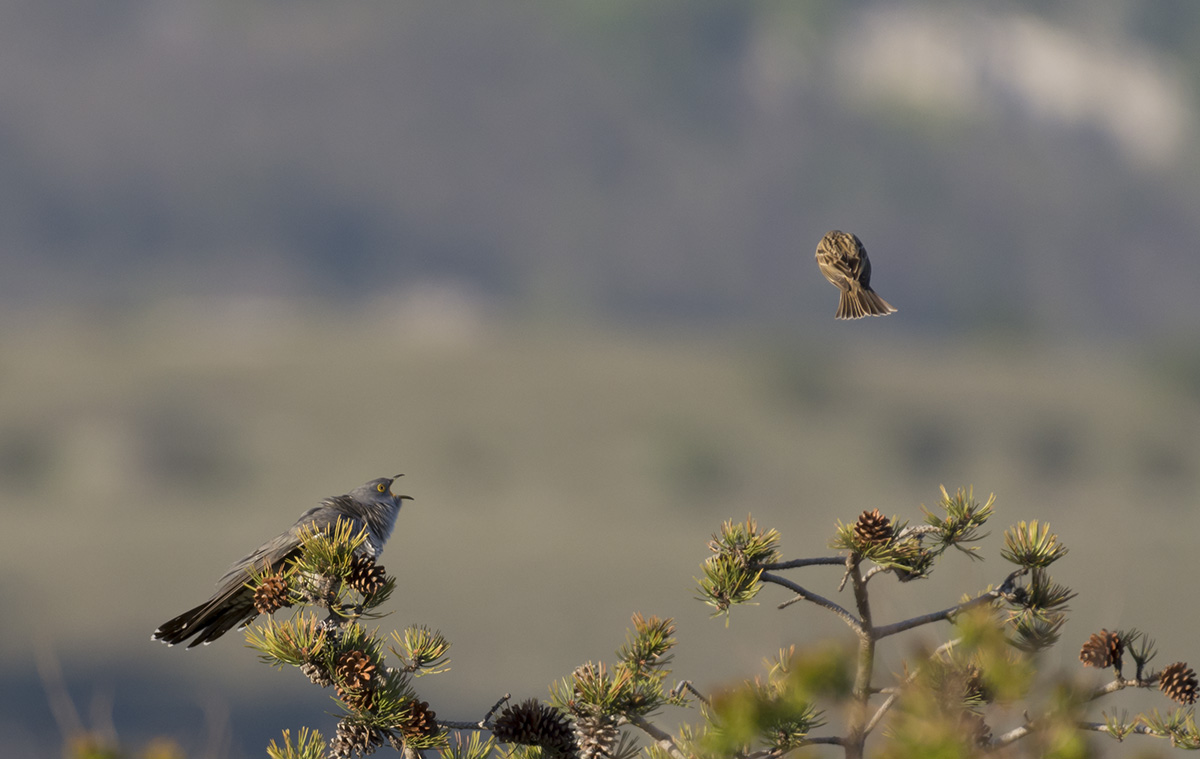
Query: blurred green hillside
point(564, 478)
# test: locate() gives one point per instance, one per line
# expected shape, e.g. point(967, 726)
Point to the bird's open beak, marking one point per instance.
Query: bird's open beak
point(402, 497)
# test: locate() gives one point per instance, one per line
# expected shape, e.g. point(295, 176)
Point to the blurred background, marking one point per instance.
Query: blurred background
point(554, 261)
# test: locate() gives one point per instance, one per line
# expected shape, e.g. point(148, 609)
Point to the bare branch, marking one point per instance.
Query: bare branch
point(992, 595)
point(882, 710)
point(1012, 736)
point(792, 564)
point(457, 725)
point(495, 707)
point(1100, 727)
point(683, 685)
point(808, 595)
point(921, 529)
point(874, 571)
point(482, 724)
point(1118, 684)
point(662, 739)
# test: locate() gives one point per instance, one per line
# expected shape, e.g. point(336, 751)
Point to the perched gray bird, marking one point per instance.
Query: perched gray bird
point(371, 505)
point(843, 261)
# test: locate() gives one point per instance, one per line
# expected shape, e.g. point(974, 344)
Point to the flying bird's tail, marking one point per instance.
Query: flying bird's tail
point(859, 301)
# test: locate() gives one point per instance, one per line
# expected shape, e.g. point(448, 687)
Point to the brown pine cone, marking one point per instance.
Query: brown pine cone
point(358, 699)
point(596, 735)
point(355, 670)
point(1103, 649)
point(421, 722)
point(533, 723)
point(272, 595)
point(1178, 681)
point(317, 673)
point(873, 528)
point(354, 737)
point(366, 576)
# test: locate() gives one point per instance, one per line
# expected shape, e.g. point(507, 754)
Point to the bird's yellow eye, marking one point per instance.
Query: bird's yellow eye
point(381, 487)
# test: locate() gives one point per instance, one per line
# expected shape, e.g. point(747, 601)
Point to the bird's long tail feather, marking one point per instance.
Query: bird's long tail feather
point(858, 302)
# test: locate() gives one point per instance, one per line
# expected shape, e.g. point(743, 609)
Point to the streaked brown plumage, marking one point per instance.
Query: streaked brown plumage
point(843, 261)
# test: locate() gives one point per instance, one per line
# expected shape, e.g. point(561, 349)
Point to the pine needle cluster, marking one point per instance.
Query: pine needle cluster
point(731, 574)
point(1037, 610)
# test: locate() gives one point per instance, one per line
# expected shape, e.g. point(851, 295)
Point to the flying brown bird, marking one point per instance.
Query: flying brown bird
point(843, 261)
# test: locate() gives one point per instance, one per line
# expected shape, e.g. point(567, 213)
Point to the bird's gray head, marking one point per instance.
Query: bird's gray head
point(378, 492)
point(379, 508)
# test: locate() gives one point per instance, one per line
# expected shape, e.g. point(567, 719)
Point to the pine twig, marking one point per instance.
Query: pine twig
point(662, 739)
point(794, 563)
point(807, 595)
point(482, 724)
point(683, 685)
point(938, 616)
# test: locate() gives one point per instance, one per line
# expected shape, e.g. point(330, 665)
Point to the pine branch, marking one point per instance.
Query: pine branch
point(803, 594)
point(938, 616)
point(661, 739)
point(794, 563)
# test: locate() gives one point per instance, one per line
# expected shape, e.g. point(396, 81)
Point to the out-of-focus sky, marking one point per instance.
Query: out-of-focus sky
point(553, 260)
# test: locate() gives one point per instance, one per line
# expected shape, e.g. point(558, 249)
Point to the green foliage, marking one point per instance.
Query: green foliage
point(777, 712)
point(647, 646)
point(731, 575)
point(727, 583)
point(293, 642)
point(422, 650)
point(309, 745)
point(594, 689)
point(1118, 726)
point(474, 747)
point(1177, 725)
point(521, 751)
point(330, 551)
point(1038, 612)
point(1140, 648)
point(964, 517)
point(1032, 546)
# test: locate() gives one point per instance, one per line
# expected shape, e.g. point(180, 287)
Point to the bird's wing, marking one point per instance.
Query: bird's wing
point(844, 260)
point(285, 544)
point(862, 266)
point(836, 268)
